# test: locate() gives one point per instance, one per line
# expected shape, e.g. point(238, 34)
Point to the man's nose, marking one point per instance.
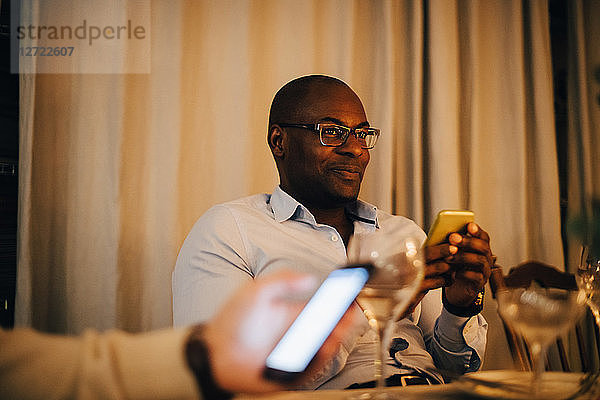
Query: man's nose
point(352, 146)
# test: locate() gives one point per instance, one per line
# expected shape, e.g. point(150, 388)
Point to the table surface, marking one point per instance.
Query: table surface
point(557, 385)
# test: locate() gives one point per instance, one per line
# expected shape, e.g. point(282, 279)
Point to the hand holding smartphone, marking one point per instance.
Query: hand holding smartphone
point(447, 222)
point(299, 345)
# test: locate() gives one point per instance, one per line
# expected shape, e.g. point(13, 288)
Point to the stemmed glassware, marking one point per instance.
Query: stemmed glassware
point(588, 279)
point(395, 252)
point(540, 315)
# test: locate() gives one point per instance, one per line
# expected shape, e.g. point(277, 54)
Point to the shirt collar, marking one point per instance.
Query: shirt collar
point(286, 207)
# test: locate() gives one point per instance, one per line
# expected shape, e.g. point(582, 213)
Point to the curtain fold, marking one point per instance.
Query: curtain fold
point(115, 169)
point(490, 143)
point(583, 102)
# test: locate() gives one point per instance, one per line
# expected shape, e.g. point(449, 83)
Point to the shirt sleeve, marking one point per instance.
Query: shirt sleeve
point(111, 365)
point(455, 343)
point(211, 265)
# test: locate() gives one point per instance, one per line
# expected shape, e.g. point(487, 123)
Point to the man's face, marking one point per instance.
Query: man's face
point(321, 176)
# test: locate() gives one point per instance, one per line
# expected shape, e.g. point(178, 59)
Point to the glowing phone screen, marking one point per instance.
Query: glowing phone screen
point(317, 320)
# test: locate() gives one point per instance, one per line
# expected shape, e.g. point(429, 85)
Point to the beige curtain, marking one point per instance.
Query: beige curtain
point(583, 111)
point(584, 127)
point(115, 169)
point(490, 131)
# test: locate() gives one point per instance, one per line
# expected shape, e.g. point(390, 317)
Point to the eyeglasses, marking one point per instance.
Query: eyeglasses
point(334, 135)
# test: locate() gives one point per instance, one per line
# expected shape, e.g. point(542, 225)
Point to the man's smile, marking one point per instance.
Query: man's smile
point(349, 172)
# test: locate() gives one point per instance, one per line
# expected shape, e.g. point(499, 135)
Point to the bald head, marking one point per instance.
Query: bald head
point(297, 100)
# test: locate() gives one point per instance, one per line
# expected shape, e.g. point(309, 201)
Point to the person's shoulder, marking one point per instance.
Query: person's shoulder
point(384, 218)
point(256, 202)
point(223, 217)
point(249, 201)
point(238, 208)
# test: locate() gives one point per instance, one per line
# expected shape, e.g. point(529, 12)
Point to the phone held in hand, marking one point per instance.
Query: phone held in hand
point(447, 222)
point(301, 342)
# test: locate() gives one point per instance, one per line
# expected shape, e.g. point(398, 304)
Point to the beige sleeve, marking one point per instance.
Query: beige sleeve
point(111, 365)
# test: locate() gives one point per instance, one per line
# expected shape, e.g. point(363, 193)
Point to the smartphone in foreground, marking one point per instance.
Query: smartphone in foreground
point(298, 346)
point(446, 222)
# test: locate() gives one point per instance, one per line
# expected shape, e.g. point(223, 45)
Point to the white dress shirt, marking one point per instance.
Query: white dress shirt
point(257, 235)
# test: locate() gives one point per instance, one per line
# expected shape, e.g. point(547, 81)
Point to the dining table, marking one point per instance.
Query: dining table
point(491, 384)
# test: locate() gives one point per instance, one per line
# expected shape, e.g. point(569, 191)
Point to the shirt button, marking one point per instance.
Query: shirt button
point(334, 238)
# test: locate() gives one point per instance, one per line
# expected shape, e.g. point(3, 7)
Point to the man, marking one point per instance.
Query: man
point(320, 138)
point(162, 365)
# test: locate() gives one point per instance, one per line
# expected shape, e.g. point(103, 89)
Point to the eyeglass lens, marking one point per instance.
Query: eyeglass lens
point(335, 135)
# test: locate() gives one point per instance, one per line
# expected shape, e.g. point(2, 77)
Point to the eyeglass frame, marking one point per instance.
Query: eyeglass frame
point(316, 128)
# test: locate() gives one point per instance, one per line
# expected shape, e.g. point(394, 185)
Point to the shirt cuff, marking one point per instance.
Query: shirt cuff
point(461, 341)
point(450, 330)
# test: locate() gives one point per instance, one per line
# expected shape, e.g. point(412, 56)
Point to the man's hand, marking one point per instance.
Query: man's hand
point(462, 265)
point(240, 337)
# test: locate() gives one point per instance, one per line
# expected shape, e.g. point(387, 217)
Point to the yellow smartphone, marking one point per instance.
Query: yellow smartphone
point(446, 222)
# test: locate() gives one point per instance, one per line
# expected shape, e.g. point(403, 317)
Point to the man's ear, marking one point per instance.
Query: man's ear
point(277, 139)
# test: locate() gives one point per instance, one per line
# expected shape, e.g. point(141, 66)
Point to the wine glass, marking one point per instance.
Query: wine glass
point(588, 279)
point(540, 315)
point(396, 255)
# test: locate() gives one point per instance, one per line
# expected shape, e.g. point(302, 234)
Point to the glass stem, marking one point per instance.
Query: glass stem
point(382, 344)
point(537, 357)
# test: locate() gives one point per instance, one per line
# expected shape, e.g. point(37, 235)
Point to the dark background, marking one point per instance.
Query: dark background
point(9, 156)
